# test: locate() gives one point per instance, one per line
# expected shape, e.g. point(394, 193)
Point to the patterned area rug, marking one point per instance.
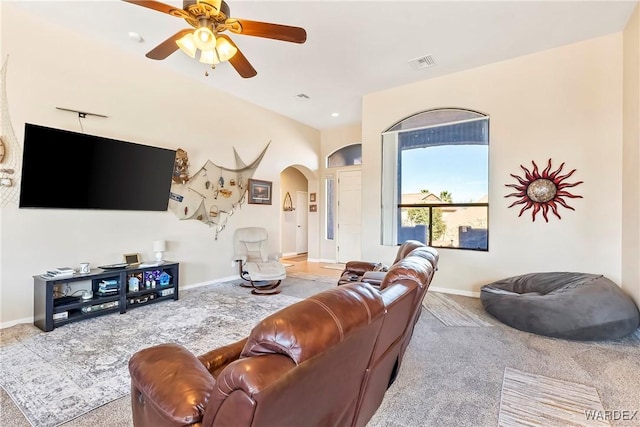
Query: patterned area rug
point(56, 376)
point(313, 277)
point(536, 400)
point(449, 312)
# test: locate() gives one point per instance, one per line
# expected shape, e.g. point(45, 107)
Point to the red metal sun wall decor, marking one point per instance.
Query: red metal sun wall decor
point(542, 191)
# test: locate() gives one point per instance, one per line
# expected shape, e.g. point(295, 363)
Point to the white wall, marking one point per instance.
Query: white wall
point(564, 104)
point(145, 104)
point(631, 159)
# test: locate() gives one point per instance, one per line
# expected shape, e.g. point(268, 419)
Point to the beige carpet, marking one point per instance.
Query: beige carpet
point(538, 401)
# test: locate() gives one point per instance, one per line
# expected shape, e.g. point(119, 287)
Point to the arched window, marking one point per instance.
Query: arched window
point(350, 155)
point(436, 179)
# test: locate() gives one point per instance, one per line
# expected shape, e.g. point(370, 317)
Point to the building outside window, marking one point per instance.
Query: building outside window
point(435, 180)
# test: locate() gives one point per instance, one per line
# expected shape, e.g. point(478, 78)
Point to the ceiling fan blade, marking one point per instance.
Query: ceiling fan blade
point(155, 5)
point(267, 30)
point(240, 62)
point(167, 47)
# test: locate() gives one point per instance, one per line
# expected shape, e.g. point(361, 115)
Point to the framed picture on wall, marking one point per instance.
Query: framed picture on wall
point(312, 197)
point(313, 208)
point(259, 192)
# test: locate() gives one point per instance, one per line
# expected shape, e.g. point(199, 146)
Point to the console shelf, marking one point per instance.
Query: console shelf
point(134, 286)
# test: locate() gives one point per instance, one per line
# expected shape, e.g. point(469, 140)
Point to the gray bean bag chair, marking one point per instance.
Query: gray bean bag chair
point(575, 306)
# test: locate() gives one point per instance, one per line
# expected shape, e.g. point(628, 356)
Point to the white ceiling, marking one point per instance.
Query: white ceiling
point(353, 47)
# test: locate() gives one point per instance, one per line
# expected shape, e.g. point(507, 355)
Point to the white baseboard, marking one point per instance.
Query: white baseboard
point(16, 322)
point(326, 261)
point(454, 292)
point(197, 285)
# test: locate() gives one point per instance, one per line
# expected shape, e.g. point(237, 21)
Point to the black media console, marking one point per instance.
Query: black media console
point(112, 291)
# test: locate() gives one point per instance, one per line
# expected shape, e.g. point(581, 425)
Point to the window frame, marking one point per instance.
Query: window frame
point(391, 177)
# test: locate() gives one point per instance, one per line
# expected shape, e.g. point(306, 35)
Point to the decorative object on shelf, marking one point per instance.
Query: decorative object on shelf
point(151, 279)
point(159, 246)
point(259, 192)
point(211, 18)
point(542, 191)
point(85, 268)
point(165, 279)
point(312, 197)
point(133, 282)
point(10, 149)
point(204, 199)
point(313, 208)
point(181, 167)
point(131, 259)
point(287, 206)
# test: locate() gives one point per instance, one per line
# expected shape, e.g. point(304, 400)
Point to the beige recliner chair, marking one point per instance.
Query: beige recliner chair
point(261, 269)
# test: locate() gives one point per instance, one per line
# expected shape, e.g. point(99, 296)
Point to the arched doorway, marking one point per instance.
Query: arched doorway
point(294, 220)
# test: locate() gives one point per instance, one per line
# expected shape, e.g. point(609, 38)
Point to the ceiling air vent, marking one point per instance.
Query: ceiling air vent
point(422, 62)
point(303, 96)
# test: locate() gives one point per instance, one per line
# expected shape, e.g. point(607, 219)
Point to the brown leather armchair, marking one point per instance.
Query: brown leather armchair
point(372, 272)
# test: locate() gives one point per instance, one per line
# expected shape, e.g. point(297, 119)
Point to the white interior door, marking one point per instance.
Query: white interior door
point(349, 216)
point(302, 221)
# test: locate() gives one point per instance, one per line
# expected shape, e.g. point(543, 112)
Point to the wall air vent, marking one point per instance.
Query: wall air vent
point(422, 62)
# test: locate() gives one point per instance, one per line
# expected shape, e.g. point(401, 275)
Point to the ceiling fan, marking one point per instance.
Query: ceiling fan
point(211, 18)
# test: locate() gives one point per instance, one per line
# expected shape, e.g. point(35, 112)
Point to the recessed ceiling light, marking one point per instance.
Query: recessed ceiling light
point(135, 36)
point(335, 114)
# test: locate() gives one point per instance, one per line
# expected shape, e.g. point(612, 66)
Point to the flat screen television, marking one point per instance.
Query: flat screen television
point(69, 170)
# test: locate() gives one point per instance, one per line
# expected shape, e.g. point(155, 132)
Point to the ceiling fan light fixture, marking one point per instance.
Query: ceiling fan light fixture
point(209, 57)
point(225, 49)
point(187, 44)
point(204, 38)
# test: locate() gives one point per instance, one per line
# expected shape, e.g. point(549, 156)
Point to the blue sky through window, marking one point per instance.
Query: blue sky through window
point(463, 170)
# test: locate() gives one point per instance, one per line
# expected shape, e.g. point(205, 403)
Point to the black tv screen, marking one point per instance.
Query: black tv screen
point(69, 170)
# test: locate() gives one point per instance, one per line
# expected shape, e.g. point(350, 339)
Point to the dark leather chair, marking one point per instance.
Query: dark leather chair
point(374, 272)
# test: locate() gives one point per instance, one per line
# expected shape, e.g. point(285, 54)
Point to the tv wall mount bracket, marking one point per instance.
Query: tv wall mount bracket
point(82, 114)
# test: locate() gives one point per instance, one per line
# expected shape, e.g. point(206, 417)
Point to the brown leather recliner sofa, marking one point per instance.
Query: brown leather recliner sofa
point(324, 361)
point(374, 272)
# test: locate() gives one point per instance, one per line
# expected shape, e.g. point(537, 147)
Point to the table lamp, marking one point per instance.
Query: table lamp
point(159, 246)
